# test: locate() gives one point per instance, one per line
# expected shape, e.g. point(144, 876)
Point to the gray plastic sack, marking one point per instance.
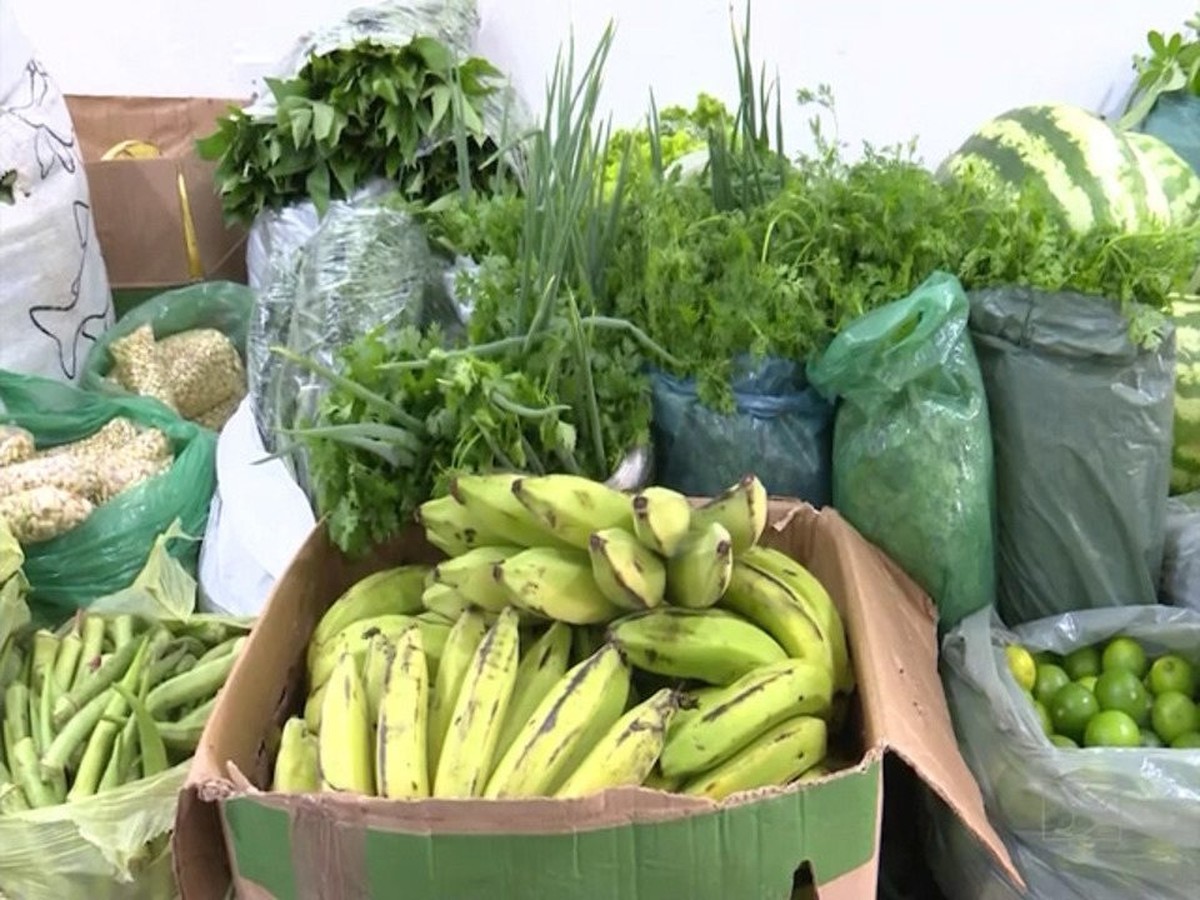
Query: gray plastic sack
point(1090, 824)
point(1081, 426)
point(1181, 553)
point(1175, 120)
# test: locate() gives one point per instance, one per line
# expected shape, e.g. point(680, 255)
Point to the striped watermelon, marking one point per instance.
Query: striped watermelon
point(1185, 463)
point(1179, 181)
point(1087, 167)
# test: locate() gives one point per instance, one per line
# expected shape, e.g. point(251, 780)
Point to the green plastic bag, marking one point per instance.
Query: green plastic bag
point(106, 552)
point(912, 446)
point(223, 305)
point(1175, 120)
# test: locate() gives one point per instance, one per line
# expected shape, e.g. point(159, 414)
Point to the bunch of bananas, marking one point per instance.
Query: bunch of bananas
point(577, 638)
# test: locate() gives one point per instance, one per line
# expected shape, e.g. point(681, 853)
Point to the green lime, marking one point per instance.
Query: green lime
point(1120, 689)
point(1089, 682)
point(1189, 741)
point(1124, 653)
point(1043, 717)
point(1082, 662)
point(1049, 679)
point(1174, 714)
point(1150, 739)
point(1061, 740)
point(1071, 708)
point(1112, 728)
point(1022, 665)
point(1047, 656)
point(1172, 673)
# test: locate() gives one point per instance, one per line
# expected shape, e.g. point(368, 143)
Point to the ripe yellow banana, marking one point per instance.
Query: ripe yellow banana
point(580, 708)
point(354, 639)
point(472, 576)
point(776, 757)
point(572, 507)
point(401, 737)
point(344, 743)
point(555, 584)
point(698, 574)
point(496, 512)
point(725, 721)
point(741, 508)
point(708, 645)
point(380, 649)
point(810, 594)
point(461, 645)
point(448, 526)
point(296, 762)
point(773, 607)
point(626, 753)
point(468, 751)
point(542, 665)
point(661, 519)
point(394, 591)
point(312, 708)
point(627, 573)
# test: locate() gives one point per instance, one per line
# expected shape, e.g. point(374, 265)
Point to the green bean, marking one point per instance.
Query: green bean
point(99, 746)
point(16, 709)
point(166, 665)
point(79, 696)
point(120, 629)
point(93, 646)
point(122, 751)
point(150, 742)
point(69, 649)
point(12, 663)
point(76, 730)
point(45, 651)
point(219, 650)
point(179, 737)
point(9, 739)
point(12, 799)
point(25, 765)
point(201, 682)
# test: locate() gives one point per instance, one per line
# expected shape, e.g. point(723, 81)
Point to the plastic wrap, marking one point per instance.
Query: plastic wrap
point(1181, 552)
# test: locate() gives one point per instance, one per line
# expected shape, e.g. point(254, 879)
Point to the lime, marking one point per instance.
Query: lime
point(1047, 656)
point(1061, 740)
point(1174, 714)
point(1189, 741)
point(1082, 662)
point(1119, 689)
point(1022, 666)
point(1112, 728)
point(1089, 682)
point(1071, 708)
point(1049, 679)
point(1150, 739)
point(1172, 673)
point(1043, 717)
point(1124, 653)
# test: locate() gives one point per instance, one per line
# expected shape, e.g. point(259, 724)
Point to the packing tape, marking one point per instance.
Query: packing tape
point(135, 149)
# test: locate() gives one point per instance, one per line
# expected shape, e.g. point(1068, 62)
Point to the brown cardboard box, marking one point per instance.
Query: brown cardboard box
point(137, 203)
point(628, 843)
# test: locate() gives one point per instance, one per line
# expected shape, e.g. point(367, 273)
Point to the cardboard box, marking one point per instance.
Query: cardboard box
point(143, 207)
point(628, 843)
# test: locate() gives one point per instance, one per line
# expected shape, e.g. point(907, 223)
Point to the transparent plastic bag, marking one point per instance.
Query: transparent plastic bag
point(1092, 824)
point(912, 446)
point(1181, 552)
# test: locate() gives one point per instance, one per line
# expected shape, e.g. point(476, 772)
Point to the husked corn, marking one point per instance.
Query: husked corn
point(202, 368)
point(16, 445)
point(119, 475)
point(216, 417)
point(115, 434)
point(150, 444)
point(63, 472)
point(136, 365)
point(42, 513)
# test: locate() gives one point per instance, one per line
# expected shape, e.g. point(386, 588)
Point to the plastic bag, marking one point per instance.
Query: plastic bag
point(912, 451)
point(781, 430)
point(1081, 424)
point(1175, 120)
point(1181, 552)
point(1094, 824)
point(106, 552)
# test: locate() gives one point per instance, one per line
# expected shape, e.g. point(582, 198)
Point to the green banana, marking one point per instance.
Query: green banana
point(769, 604)
point(496, 512)
point(776, 757)
point(661, 519)
point(461, 645)
point(312, 708)
point(344, 743)
point(448, 526)
point(627, 573)
point(555, 584)
point(353, 639)
point(741, 508)
point(472, 576)
point(401, 733)
point(698, 574)
point(380, 649)
point(445, 601)
point(812, 596)
point(580, 708)
point(542, 665)
point(705, 644)
point(726, 720)
point(395, 591)
point(657, 781)
point(468, 751)
point(572, 507)
point(296, 763)
point(626, 754)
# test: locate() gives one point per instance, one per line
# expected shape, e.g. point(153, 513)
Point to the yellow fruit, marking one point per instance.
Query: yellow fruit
point(1022, 665)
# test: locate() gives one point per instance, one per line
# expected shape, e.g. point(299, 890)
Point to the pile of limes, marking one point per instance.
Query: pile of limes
point(1113, 695)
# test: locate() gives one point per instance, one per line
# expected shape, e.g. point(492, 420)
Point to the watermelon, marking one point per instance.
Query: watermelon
point(1179, 181)
point(1185, 462)
point(1087, 167)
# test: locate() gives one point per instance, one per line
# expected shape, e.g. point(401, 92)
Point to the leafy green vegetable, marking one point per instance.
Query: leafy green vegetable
point(1173, 64)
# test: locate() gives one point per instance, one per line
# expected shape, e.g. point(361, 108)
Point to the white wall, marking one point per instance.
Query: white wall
point(899, 68)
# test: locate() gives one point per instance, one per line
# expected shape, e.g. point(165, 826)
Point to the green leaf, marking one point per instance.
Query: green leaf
point(300, 124)
point(435, 54)
point(345, 173)
point(323, 122)
point(317, 186)
point(439, 96)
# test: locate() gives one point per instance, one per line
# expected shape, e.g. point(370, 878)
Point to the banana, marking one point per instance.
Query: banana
point(776, 757)
point(353, 639)
point(571, 507)
point(657, 781)
point(448, 526)
point(543, 664)
point(627, 573)
point(705, 644)
point(661, 519)
point(401, 738)
point(773, 607)
point(496, 512)
point(296, 762)
point(435, 631)
point(394, 591)
point(555, 584)
point(344, 743)
point(724, 721)
point(698, 574)
point(470, 745)
point(586, 640)
point(380, 649)
point(471, 575)
point(312, 708)
point(461, 645)
point(626, 753)
point(741, 508)
point(445, 601)
point(810, 594)
point(576, 712)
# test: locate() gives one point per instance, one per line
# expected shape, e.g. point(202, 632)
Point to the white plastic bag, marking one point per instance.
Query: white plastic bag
point(54, 296)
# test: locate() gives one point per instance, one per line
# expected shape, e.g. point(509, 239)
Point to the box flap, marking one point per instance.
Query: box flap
point(171, 124)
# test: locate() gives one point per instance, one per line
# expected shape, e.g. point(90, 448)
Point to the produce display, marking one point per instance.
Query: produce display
point(575, 639)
